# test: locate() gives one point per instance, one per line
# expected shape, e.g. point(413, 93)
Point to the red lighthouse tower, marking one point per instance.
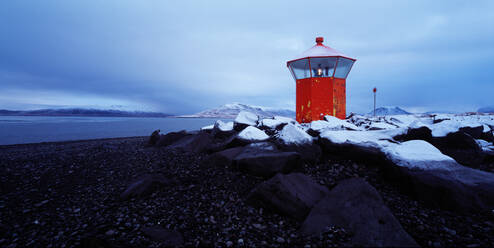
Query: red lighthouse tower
point(320, 74)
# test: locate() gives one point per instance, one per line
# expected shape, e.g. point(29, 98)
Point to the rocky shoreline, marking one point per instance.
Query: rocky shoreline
point(196, 193)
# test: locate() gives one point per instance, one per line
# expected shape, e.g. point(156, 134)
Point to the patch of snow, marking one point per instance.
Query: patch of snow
point(284, 119)
point(253, 134)
point(416, 154)
point(320, 125)
point(442, 128)
point(419, 154)
point(362, 138)
point(270, 123)
point(247, 118)
point(381, 125)
point(486, 128)
point(294, 134)
point(208, 127)
point(484, 145)
point(224, 126)
point(412, 121)
point(358, 120)
point(320, 50)
point(276, 121)
point(336, 123)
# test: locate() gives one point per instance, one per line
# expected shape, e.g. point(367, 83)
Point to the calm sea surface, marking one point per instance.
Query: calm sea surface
point(34, 129)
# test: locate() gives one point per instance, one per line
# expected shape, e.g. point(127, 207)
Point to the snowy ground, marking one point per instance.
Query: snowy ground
point(376, 132)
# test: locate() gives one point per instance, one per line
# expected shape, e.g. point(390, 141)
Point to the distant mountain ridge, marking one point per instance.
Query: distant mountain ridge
point(81, 112)
point(231, 110)
point(489, 109)
point(389, 111)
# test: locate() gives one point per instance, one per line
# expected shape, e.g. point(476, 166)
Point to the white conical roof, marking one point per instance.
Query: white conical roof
point(320, 50)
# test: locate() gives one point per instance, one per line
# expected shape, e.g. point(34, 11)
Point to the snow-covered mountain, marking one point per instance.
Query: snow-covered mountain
point(486, 109)
point(381, 111)
point(81, 112)
point(231, 110)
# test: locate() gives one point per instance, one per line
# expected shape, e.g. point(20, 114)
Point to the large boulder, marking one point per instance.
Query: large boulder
point(294, 135)
point(168, 238)
point(421, 133)
point(356, 206)
point(418, 168)
point(247, 136)
point(364, 152)
point(170, 138)
point(293, 194)
point(145, 185)
point(310, 153)
point(293, 138)
point(262, 162)
point(474, 132)
point(225, 158)
point(458, 188)
point(421, 170)
point(193, 143)
point(460, 146)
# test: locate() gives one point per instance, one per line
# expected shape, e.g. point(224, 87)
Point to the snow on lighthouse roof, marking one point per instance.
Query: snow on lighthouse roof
point(320, 50)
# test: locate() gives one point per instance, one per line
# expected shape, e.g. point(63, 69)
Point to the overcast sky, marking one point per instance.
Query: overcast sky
point(186, 56)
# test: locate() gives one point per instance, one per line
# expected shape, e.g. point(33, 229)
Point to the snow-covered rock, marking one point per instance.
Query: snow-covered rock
point(294, 134)
point(381, 125)
point(335, 124)
point(208, 127)
point(412, 121)
point(284, 119)
point(486, 128)
point(270, 123)
point(247, 118)
point(251, 133)
point(374, 139)
point(419, 154)
point(224, 126)
point(484, 145)
point(321, 125)
point(449, 123)
point(442, 128)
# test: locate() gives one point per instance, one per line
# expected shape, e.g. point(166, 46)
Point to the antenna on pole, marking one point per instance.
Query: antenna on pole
point(374, 90)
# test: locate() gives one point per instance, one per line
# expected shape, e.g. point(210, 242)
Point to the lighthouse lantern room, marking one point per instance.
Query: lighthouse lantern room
point(320, 74)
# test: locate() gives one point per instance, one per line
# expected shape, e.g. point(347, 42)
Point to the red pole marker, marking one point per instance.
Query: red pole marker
point(374, 90)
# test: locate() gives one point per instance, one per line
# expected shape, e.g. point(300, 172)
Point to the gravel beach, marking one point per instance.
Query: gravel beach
point(67, 194)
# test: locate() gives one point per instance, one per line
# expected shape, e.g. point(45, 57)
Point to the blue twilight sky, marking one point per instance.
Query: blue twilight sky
point(185, 56)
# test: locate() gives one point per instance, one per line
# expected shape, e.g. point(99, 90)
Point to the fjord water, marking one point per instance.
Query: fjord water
point(35, 129)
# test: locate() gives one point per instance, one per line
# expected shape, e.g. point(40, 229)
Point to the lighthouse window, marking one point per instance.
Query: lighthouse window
point(300, 68)
point(343, 67)
point(322, 67)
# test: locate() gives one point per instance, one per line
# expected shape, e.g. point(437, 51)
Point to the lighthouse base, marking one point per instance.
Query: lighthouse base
point(320, 96)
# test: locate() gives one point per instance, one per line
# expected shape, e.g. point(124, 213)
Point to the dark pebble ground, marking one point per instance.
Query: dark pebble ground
point(63, 194)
